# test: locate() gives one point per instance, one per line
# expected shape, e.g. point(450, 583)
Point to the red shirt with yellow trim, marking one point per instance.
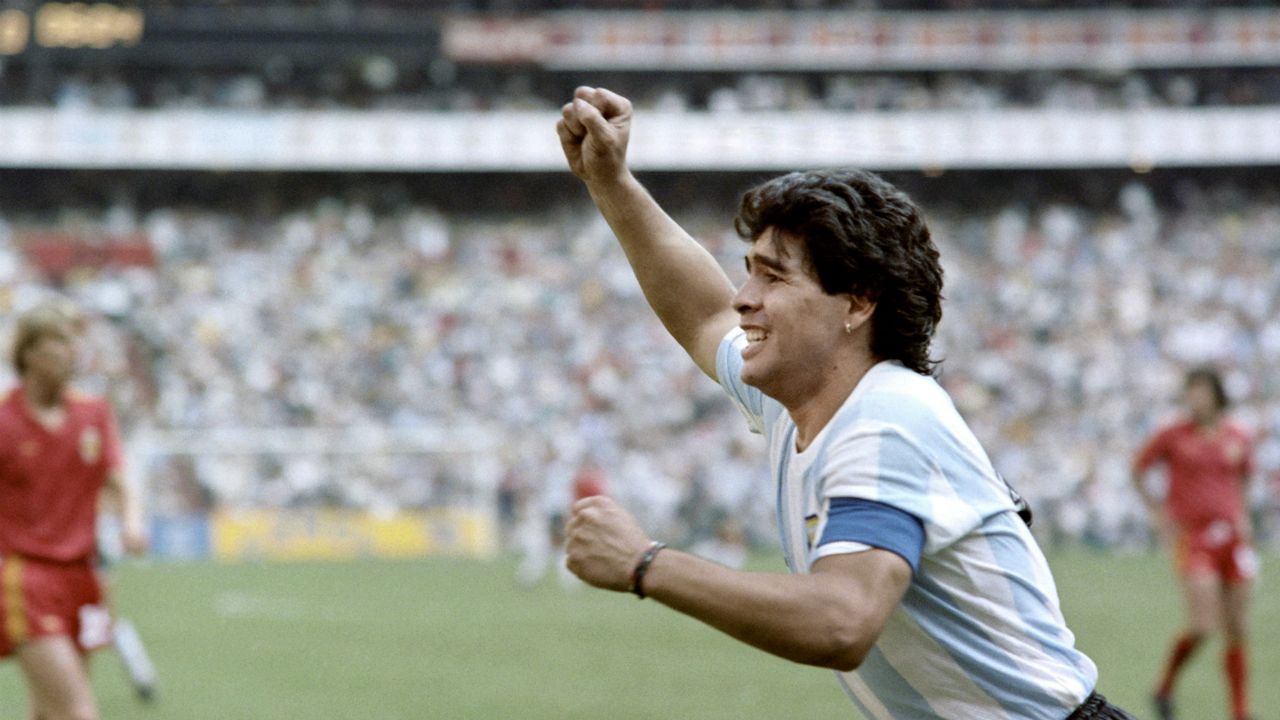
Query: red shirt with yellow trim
point(1207, 470)
point(50, 478)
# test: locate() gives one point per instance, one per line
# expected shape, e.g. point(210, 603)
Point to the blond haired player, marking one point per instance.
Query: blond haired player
point(59, 452)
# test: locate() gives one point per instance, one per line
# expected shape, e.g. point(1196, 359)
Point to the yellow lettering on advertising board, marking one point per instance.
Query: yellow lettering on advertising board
point(326, 534)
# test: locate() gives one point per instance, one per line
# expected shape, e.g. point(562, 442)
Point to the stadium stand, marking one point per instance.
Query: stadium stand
point(1067, 328)
point(380, 307)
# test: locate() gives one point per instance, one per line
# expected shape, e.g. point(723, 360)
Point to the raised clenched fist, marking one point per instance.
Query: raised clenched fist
point(594, 129)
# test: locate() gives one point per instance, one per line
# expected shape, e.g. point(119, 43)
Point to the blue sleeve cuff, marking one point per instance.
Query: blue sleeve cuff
point(855, 522)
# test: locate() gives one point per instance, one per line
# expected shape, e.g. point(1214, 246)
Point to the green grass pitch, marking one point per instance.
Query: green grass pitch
point(449, 638)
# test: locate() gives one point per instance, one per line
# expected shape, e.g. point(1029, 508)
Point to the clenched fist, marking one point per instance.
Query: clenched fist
point(594, 130)
point(604, 543)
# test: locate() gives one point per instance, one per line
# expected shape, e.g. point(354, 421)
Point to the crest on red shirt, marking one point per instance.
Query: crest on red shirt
point(30, 448)
point(90, 445)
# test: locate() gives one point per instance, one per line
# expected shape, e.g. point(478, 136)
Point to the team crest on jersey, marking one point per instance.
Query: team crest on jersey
point(90, 445)
point(30, 449)
point(811, 530)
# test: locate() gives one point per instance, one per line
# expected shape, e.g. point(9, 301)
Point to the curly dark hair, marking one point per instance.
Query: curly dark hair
point(865, 237)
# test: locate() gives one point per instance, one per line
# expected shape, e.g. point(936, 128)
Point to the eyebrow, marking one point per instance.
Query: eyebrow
point(766, 261)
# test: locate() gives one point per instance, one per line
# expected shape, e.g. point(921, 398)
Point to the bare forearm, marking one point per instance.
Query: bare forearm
point(1138, 478)
point(125, 501)
point(796, 617)
point(683, 283)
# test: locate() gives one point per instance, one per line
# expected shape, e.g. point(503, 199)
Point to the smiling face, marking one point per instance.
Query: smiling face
point(796, 332)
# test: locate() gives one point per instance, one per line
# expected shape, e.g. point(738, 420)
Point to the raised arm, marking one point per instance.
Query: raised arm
point(682, 282)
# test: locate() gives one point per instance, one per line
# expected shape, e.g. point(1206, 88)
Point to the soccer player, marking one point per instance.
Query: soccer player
point(913, 575)
point(1204, 520)
point(59, 455)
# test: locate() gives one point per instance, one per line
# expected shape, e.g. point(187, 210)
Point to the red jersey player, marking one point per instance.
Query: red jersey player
point(1205, 521)
point(58, 452)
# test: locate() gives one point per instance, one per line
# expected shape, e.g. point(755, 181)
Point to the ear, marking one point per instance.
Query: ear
point(861, 308)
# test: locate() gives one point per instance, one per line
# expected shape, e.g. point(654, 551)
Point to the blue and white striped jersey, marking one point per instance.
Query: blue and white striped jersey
point(979, 633)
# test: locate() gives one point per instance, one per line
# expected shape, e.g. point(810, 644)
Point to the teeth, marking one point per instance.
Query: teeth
point(756, 335)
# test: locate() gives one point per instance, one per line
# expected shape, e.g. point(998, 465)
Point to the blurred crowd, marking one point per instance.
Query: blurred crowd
point(372, 82)
point(953, 91)
point(1067, 330)
point(526, 6)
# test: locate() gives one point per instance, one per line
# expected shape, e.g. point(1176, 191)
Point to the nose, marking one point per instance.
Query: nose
point(747, 298)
